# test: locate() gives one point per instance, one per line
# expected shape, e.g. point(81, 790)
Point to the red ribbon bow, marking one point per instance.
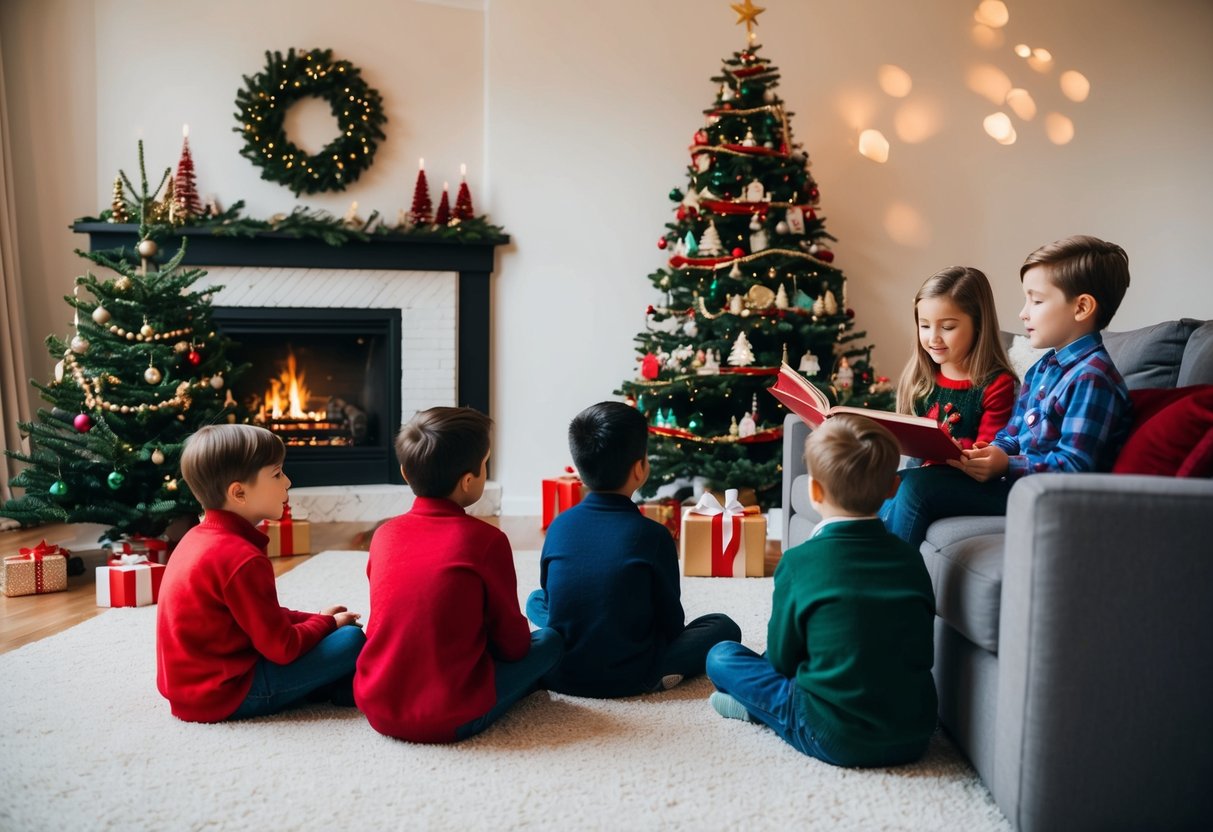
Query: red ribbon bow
point(40, 551)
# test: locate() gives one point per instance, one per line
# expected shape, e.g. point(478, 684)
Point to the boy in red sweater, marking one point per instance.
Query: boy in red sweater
point(448, 650)
point(225, 649)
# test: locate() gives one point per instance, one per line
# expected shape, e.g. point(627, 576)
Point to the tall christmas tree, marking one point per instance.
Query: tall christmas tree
point(141, 370)
point(749, 278)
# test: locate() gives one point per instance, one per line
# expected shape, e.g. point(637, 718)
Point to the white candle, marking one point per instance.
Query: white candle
point(445, 187)
point(463, 171)
point(185, 130)
point(421, 163)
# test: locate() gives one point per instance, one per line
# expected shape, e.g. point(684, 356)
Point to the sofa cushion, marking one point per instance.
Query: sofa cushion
point(948, 530)
point(1150, 356)
point(1172, 433)
point(967, 578)
point(1197, 364)
point(800, 498)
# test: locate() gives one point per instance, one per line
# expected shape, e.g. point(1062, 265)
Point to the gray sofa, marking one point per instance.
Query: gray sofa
point(1074, 637)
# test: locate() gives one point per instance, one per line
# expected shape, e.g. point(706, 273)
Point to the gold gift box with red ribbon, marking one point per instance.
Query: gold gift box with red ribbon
point(561, 494)
point(723, 541)
point(288, 535)
point(666, 512)
point(36, 571)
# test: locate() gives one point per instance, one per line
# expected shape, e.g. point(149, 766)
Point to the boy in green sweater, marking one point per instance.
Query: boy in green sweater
point(847, 673)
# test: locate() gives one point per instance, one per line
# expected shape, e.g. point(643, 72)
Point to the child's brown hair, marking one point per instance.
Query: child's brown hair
point(218, 455)
point(438, 446)
point(855, 460)
point(1085, 265)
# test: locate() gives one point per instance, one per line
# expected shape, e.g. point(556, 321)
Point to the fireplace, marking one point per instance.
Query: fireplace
point(327, 382)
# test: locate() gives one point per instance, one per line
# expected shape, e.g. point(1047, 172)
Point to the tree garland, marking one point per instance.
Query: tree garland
point(263, 104)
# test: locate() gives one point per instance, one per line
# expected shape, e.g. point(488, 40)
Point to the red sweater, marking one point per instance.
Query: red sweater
point(218, 614)
point(444, 604)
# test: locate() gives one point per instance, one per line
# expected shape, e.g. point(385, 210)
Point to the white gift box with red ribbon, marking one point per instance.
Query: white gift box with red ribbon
point(129, 581)
point(155, 549)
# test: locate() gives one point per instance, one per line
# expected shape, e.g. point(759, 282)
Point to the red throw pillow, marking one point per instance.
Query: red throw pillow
point(1172, 433)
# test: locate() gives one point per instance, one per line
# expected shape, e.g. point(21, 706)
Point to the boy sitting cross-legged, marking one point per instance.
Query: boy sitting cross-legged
point(847, 673)
point(609, 579)
point(448, 651)
point(225, 649)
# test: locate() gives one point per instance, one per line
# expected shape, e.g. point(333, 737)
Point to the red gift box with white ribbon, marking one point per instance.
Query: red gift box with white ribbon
point(561, 494)
point(129, 581)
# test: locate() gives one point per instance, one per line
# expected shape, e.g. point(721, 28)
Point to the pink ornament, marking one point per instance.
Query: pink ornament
point(739, 252)
point(83, 423)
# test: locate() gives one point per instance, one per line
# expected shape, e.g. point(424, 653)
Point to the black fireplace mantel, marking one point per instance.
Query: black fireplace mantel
point(472, 261)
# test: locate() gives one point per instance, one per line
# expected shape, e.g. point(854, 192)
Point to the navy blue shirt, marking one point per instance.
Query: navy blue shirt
point(610, 575)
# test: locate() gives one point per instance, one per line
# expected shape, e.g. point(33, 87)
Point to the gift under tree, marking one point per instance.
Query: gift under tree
point(139, 371)
point(749, 283)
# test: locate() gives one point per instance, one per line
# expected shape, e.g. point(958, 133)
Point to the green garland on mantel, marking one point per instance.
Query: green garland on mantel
point(317, 224)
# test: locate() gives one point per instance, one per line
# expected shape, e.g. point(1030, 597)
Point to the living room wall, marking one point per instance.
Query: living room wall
point(574, 120)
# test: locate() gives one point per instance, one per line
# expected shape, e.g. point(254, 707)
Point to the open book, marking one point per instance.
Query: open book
point(918, 436)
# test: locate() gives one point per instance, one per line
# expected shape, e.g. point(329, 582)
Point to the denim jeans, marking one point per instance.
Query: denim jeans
point(278, 686)
point(514, 680)
point(684, 656)
point(935, 491)
point(768, 695)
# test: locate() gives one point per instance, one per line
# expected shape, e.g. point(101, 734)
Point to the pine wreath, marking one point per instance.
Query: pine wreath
point(263, 104)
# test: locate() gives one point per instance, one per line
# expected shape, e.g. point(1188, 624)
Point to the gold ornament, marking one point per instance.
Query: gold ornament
point(157, 457)
point(759, 297)
point(101, 315)
point(118, 205)
point(146, 330)
point(152, 376)
point(747, 13)
point(124, 283)
point(147, 248)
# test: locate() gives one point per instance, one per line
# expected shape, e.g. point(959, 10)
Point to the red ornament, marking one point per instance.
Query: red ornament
point(811, 215)
point(83, 423)
point(194, 357)
point(662, 242)
point(650, 310)
point(814, 194)
point(650, 367)
point(681, 213)
point(739, 252)
point(851, 314)
point(825, 255)
point(700, 138)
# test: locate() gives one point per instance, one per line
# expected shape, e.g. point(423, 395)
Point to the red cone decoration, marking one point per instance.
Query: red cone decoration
point(444, 210)
point(422, 206)
point(185, 189)
point(463, 202)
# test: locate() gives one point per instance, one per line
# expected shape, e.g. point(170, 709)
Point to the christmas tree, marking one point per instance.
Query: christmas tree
point(750, 277)
point(142, 369)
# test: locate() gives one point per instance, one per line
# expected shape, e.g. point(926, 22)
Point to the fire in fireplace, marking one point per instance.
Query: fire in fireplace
point(327, 381)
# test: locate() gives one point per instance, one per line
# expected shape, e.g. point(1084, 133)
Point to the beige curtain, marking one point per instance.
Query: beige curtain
point(14, 386)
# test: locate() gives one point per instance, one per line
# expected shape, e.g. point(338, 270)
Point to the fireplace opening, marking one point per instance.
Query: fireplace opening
point(327, 382)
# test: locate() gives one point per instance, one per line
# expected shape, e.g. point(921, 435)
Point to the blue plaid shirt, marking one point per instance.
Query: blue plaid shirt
point(1072, 414)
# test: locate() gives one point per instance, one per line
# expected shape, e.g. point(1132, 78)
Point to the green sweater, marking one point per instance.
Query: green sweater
point(852, 622)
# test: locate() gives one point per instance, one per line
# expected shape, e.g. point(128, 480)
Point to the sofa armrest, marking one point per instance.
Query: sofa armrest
point(795, 432)
point(1105, 668)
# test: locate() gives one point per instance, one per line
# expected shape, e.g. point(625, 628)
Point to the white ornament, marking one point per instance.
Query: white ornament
point(831, 304)
point(217, 382)
point(735, 272)
point(844, 376)
point(59, 371)
point(809, 365)
point(80, 344)
point(754, 192)
point(759, 241)
point(691, 200)
point(735, 304)
point(703, 161)
point(749, 140)
point(781, 227)
point(781, 298)
point(726, 93)
point(819, 306)
point(691, 328)
point(734, 429)
point(101, 315)
point(746, 427)
point(711, 363)
point(768, 95)
point(157, 457)
point(709, 243)
point(742, 354)
point(795, 220)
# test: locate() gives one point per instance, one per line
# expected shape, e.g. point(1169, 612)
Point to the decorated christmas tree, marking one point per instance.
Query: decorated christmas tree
point(140, 371)
point(750, 276)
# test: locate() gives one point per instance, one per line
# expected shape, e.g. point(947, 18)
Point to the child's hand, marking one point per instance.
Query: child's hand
point(983, 462)
point(342, 616)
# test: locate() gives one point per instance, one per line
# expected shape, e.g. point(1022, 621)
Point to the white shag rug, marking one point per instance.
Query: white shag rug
point(87, 743)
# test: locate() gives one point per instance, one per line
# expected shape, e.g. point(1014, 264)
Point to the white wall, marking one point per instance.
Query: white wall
point(575, 117)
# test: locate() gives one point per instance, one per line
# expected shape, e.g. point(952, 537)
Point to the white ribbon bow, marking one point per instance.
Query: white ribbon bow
point(131, 560)
point(710, 506)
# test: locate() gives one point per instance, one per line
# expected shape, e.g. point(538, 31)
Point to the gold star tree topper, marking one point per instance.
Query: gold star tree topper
point(747, 13)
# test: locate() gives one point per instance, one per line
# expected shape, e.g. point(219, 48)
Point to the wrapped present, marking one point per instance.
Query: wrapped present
point(666, 512)
point(129, 581)
point(723, 541)
point(288, 535)
point(36, 571)
point(561, 494)
point(155, 549)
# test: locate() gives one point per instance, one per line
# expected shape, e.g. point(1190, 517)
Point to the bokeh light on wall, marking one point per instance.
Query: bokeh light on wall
point(918, 120)
point(1041, 60)
point(895, 81)
point(1021, 102)
point(857, 108)
point(990, 82)
point(1059, 129)
point(992, 13)
point(986, 37)
point(999, 128)
point(906, 225)
point(874, 146)
point(1023, 50)
point(1074, 85)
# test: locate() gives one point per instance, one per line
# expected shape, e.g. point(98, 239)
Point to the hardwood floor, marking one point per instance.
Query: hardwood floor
point(29, 618)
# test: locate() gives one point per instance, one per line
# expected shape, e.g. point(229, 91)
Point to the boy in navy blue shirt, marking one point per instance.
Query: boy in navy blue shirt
point(609, 581)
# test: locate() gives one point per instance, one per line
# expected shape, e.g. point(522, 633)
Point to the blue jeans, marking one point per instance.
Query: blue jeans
point(934, 491)
point(777, 701)
point(684, 656)
point(278, 686)
point(514, 680)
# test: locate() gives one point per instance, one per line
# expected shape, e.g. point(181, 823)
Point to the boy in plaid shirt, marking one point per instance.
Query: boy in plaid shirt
point(1073, 411)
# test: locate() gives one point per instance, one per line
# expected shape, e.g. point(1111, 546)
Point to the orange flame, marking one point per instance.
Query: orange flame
point(287, 396)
